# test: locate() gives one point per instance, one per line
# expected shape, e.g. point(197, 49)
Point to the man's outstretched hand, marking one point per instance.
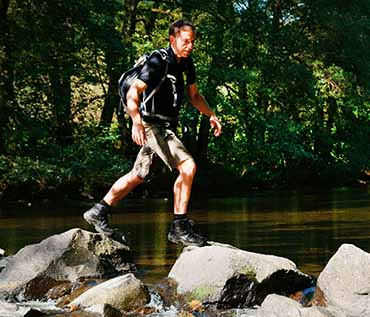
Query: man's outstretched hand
point(216, 125)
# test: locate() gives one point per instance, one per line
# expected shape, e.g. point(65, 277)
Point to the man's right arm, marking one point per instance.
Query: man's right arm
point(133, 102)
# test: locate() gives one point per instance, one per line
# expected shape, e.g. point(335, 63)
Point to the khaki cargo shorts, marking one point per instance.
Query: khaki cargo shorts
point(161, 142)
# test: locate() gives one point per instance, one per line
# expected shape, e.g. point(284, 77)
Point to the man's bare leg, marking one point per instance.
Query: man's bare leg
point(181, 231)
point(183, 185)
point(98, 214)
point(121, 188)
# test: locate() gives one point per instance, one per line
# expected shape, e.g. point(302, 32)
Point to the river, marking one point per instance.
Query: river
point(306, 227)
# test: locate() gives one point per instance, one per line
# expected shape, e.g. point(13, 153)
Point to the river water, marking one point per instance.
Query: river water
point(306, 227)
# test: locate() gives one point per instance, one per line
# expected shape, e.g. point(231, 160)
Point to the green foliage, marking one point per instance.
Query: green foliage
point(87, 164)
point(289, 80)
point(26, 170)
point(95, 158)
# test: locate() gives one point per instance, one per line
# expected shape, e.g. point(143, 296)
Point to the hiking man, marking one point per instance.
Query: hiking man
point(152, 129)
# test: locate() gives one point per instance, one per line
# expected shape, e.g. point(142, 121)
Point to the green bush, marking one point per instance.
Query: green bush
point(82, 166)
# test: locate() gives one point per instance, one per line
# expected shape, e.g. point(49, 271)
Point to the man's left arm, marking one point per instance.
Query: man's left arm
point(199, 102)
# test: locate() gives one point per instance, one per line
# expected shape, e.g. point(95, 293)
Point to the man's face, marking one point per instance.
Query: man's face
point(183, 43)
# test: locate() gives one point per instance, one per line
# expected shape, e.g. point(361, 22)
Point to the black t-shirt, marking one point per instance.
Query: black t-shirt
point(162, 103)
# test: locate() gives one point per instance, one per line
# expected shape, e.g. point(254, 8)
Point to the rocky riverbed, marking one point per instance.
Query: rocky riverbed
point(80, 273)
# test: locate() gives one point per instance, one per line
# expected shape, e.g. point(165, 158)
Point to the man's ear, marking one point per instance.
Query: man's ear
point(172, 39)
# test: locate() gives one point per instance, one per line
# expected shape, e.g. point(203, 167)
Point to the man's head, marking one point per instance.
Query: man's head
point(182, 37)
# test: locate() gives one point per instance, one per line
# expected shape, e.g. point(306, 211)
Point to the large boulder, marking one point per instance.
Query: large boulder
point(230, 277)
point(281, 306)
point(68, 256)
point(124, 293)
point(345, 281)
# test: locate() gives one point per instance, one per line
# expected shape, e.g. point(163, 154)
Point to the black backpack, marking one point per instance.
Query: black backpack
point(127, 78)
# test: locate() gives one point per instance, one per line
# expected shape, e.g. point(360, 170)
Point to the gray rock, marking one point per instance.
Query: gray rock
point(2, 253)
point(281, 306)
point(105, 310)
point(28, 309)
point(3, 262)
point(345, 281)
point(68, 256)
point(238, 313)
point(8, 309)
point(207, 273)
point(123, 293)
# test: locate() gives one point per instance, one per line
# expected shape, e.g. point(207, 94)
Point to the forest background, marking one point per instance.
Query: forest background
point(289, 80)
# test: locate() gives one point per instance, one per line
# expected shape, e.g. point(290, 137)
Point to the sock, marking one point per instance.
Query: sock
point(179, 217)
point(104, 203)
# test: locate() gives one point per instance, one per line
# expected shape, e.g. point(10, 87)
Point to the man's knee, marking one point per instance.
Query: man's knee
point(134, 180)
point(187, 168)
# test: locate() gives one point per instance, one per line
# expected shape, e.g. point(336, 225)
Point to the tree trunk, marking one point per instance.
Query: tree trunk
point(6, 73)
point(128, 31)
point(203, 133)
point(111, 102)
point(276, 8)
point(203, 141)
point(61, 94)
point(114, 63)
point(331, 112)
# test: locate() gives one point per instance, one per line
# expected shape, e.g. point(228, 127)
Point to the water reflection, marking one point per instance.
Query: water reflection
point(304, 227)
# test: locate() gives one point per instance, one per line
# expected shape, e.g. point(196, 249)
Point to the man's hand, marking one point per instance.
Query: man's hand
point(215, 124)
point(138, 133)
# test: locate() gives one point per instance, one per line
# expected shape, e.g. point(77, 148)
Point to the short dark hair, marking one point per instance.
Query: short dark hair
point(176, 27)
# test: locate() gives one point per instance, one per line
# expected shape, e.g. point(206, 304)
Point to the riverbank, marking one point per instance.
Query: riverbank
point(210, 183)
point(53, 180)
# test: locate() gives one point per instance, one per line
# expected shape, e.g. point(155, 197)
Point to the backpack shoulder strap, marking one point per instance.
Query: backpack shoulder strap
point(165, 58)
point(163, 52)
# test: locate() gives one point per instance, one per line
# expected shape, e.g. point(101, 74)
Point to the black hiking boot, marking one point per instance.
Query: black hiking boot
point(98, 217)
point(181, 232)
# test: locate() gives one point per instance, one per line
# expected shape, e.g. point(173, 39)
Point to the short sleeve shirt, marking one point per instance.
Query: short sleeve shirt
point(181, 72)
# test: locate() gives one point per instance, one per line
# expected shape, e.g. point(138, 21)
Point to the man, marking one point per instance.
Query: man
point(152, 127)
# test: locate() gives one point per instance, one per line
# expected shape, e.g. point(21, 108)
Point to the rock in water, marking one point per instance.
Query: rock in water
point(123, 293)
point(231, 278)
point(68, 256)
point(280, 306)
point(345, 281)
point(104, 310)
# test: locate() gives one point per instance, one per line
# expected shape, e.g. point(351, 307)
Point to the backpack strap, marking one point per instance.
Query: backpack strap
point(165, 57)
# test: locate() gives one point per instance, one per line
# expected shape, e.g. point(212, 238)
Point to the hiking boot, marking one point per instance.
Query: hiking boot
point(98, 217)
point(181, 232)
